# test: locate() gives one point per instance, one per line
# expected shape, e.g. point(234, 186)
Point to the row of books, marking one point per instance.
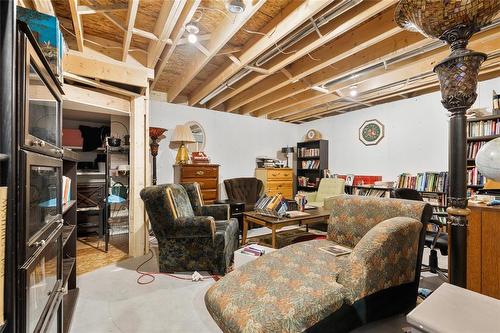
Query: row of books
point(371, 192)
point(424, 182)
point(66, 189)
point(307, 181)
point(311, 164)
point(308, 152)
point(474, 177)
point(483, 127)
point(275, 205)
point(473, 148)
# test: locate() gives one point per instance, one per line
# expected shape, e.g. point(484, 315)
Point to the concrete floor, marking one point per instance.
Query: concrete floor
point(112, 301)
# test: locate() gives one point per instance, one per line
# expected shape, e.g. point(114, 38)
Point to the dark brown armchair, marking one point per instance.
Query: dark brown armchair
point(246, 190)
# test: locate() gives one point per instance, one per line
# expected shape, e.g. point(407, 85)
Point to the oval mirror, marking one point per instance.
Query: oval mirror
point(199, 136)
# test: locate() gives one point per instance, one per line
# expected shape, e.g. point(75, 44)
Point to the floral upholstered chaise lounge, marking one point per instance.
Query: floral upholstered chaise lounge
point(301, 288)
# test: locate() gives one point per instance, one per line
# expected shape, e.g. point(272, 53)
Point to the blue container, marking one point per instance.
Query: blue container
point(45, 29)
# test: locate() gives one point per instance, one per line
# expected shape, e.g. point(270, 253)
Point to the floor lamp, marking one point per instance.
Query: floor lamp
point(454, 22)
point(155, 133)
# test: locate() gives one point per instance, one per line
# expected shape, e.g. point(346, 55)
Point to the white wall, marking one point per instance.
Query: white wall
point(416, 136)
point(233, 141)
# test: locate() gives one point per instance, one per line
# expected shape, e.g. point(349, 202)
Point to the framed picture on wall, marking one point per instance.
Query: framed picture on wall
point(371, 132)
point(349, 180)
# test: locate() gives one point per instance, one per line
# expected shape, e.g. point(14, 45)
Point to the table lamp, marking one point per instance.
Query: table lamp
point(182, 135)
point(155, 133)
point(287, 150)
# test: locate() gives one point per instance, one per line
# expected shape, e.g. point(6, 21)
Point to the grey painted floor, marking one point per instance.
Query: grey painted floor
point(112, 301)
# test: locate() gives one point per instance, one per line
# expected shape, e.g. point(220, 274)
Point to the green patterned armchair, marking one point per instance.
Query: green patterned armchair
point(301, 288)
point(191, 236)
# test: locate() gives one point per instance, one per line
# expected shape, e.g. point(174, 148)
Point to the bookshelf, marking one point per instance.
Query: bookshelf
point(312, 160)
point(433, 186)
point(480, 130)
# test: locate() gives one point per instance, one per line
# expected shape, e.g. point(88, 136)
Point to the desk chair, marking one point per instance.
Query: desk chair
point(435, 239)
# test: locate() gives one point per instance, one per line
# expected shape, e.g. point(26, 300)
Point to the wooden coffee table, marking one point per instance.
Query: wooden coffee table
point(273, 223)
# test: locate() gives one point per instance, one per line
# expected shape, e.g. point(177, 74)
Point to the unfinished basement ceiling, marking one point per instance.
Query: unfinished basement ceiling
point(290, 60)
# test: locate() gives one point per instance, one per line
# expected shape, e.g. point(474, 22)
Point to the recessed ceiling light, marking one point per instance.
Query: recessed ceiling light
point(321, 89)
point(353, 92)
point(235, 6)
point(192, 38)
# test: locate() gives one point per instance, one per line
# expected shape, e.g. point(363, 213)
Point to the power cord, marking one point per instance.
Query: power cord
point(195, 277)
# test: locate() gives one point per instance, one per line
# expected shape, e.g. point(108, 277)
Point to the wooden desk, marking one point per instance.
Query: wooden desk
point(483, 250)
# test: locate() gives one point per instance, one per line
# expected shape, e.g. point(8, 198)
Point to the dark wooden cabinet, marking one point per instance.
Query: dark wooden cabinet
point(207, 175)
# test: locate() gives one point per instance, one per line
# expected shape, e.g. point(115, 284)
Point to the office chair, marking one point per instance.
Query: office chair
point(435, 239)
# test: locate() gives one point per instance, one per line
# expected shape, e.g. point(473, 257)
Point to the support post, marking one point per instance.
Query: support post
point(457, 199)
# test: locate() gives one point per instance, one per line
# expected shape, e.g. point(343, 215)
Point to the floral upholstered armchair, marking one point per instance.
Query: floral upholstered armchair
point(191, 236)
point(303, 288)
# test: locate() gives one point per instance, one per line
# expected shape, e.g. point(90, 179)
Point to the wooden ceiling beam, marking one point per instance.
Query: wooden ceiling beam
point(336, 27)
point(291, 17)
point(77, 24)
point(100, 85)
point(112, 70)
point(402, 43)
point(88, 10)
point(169, 14)
point(378, 28)
point(230, 25)
point(361, 38)
point(116, 21)
point(133, 6)
point(44, 6)
point(486, 42)
point(176, 35)
point(489, 70)
point(145, 34)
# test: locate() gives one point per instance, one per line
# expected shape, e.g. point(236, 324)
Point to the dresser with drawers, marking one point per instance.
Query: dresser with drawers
point(207, 175)
point(276, 180)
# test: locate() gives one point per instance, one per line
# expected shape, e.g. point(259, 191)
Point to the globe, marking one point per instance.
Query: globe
point(488, 160)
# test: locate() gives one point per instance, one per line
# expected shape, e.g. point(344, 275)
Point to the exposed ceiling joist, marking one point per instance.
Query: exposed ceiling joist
point(365, 58)
point(336, 27)
point(225, 31)
point(484, 42)
point(77, 24)
point(115, 71)
point(145, 34)
point(100, 85)
point(185, 16)
point(374, 31)
point(169, 15)
point(489, 70)
point(43, 6)
point(116, 21)
point(133, 6)
point(88, 10)
point(293, 16)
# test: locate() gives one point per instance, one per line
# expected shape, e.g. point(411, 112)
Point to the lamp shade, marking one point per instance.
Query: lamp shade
point(182, 134)
point(287, 150)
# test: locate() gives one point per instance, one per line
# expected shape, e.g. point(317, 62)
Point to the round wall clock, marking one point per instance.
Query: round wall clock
point(371, 132)
point(313, 134)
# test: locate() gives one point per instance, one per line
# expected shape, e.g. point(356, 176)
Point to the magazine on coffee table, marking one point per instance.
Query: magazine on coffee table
point(336, 250)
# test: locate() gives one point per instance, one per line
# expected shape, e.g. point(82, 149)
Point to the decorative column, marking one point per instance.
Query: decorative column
point(455, 22)
point(155, 133)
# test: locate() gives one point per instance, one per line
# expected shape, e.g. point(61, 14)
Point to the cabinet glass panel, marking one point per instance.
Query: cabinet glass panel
point(44, 200)
point(43, 110)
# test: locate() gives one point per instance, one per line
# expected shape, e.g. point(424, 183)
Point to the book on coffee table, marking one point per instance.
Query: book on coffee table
point(336, 250)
